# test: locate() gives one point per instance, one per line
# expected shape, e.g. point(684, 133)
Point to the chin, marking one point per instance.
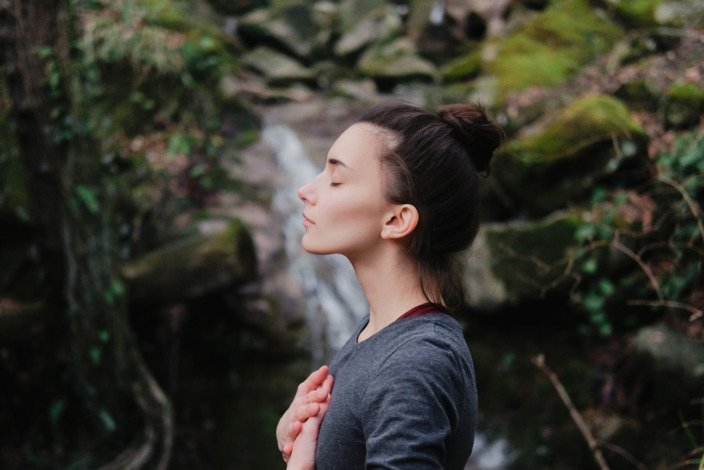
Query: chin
point(313, 249)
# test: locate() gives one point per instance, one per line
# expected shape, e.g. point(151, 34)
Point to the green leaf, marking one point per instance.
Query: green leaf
point(606, 287)
point(95, 355)
point(87, 196)
point(589, 266)
point(593, 303)
point(179, 144)
point(584, 233)
point(107, 419)
point(56, 409)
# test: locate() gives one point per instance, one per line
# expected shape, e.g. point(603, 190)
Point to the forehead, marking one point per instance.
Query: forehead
point(359, 142)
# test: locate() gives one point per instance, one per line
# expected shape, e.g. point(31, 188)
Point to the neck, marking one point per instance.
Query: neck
point(392, 286)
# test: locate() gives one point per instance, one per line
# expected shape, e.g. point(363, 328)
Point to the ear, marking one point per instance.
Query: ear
point(400, 222)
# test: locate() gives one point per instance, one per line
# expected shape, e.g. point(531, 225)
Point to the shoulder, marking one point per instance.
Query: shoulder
point(425, 351)
point(429, 337)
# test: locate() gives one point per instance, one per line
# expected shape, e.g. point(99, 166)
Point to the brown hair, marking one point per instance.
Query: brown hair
point(434, 162)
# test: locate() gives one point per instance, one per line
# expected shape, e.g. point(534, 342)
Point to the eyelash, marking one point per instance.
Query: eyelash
point(334, 185)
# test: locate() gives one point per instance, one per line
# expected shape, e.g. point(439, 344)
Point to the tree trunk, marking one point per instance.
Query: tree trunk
point(116, 396)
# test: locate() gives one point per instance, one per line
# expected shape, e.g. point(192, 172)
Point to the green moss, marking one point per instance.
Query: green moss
point(687, 93)
point(635, 13)
point(552, 47)
point(684, 106)
point(462, 68)
point(588, 120)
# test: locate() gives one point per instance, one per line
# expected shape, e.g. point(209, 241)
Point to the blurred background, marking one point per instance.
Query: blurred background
point(156, 310)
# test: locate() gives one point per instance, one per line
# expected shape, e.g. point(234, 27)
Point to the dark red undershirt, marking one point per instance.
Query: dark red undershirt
point(422, 309)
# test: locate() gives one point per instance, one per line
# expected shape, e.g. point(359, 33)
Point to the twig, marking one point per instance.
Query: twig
point(695, 312)
point(622, 452)
point(693, 206)
point(646, 269)
point(539, 361)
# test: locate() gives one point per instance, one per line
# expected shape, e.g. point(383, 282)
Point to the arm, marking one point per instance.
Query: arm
point(311, 393)
point(413, 411)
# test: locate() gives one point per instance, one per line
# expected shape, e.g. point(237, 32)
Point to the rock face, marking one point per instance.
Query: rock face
point(558, 161)
point(194, 266)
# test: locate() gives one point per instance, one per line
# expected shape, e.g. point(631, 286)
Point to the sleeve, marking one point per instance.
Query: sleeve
point(411, 408)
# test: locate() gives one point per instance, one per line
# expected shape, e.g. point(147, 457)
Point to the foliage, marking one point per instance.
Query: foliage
point(153, 73)
point(660, 231)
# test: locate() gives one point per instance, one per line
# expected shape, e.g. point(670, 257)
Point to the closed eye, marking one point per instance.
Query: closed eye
point(334, 185)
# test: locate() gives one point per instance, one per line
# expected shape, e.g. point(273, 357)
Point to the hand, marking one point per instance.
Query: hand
point(311, 394)
point(303, 454)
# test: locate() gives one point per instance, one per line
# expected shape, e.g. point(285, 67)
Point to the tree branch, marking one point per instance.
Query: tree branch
point(539, 361)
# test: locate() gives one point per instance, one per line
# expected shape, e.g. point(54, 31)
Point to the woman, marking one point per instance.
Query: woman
point(399, 198)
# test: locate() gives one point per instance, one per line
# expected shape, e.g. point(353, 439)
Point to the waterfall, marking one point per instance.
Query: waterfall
point(334, 300)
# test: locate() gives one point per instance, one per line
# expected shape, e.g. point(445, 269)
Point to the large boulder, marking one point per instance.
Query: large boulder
point(514, 263)
point(276, 68)
point(684, 105)
point(379, 24)
point(549, 48)
point(672, 349)
point(558, 162)
point(194, 266)
point(292, 29)
point(391, 63)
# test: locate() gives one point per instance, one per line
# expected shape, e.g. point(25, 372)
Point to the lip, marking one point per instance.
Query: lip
point(306, 221)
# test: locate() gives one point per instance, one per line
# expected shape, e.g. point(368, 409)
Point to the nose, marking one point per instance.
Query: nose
point(304, 192)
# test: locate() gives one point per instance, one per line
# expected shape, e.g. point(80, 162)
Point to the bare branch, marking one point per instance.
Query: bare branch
point(693, 206)
point(696, 313)
point(539, 361)
point(646, 269)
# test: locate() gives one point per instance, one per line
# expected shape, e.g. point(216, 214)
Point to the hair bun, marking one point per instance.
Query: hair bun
point(480, 136)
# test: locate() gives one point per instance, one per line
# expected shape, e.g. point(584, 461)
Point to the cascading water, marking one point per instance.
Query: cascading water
point(334, 300)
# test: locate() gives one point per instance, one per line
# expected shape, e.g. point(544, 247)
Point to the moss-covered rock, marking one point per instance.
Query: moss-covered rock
point(551, 47)
point(592, 140)
point(396, 62)
point(380, 24)
point(678, 13)
point(638, 94)
point(290, 29)
point(194, 266)
point(515, 263)
point(685, 105)
point(634, 13)
point(462, 68)
point(277, 69)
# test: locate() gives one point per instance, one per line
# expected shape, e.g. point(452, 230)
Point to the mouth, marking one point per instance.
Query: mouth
point(306, 221)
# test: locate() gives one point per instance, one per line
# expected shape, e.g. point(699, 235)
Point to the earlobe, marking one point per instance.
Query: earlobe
point(401, 222)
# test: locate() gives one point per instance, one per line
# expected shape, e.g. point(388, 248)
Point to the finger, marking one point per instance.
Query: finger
point(316, 396)
point(287, 450)
point(327, 384)
point(304, 412)
point(313, 381)
point(292, 433)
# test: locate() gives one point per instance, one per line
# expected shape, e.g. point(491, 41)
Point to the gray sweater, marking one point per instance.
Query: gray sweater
point(405, 398)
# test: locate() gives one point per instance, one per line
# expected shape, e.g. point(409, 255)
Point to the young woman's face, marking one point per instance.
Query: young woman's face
point(345, 207)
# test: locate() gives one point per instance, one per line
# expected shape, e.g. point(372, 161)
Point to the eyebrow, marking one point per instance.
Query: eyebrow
point(336, 162)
